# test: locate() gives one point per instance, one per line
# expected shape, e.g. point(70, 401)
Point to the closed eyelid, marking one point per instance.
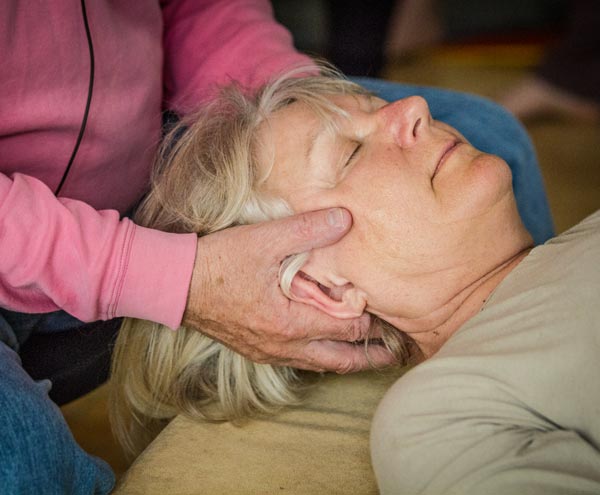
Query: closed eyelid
point(355, 150)
point(343, 131)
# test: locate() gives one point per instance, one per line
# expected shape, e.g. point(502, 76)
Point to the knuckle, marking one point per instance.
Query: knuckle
point(354, 331)
point(304, 364)
point(311, 365)
point(303, 226)
point(346, 367)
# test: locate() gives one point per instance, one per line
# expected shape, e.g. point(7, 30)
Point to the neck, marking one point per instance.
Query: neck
point(430, 333)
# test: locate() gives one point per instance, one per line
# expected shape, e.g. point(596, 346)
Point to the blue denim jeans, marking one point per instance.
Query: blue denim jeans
point(38, 454)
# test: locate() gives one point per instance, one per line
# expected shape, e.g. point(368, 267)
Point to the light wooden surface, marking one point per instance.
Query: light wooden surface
point(320, 447)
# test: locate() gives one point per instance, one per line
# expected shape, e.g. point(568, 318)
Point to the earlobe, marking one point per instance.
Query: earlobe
point(344, 301)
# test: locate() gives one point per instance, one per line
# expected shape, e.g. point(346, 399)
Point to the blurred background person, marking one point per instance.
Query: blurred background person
point(567, 82)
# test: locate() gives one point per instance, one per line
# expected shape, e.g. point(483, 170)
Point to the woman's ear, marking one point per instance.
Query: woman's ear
point(339, 301)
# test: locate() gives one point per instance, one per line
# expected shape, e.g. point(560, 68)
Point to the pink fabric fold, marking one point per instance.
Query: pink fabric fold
point(76, 252)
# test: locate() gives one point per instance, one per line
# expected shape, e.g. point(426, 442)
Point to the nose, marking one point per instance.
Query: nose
point(406, 120)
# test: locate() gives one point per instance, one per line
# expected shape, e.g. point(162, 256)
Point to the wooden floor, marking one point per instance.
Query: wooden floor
point(569, 154)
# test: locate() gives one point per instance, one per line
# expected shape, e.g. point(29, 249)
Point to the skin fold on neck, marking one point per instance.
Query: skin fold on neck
point(431, 332)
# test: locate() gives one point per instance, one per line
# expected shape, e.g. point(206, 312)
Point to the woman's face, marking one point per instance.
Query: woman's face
point(423, 200)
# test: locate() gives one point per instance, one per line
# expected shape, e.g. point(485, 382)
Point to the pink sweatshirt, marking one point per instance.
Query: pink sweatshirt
point(74, 252)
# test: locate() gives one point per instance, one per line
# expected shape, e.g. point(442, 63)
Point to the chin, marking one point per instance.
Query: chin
point(488, 186)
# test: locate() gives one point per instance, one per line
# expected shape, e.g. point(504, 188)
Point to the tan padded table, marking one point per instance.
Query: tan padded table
point(320, 447)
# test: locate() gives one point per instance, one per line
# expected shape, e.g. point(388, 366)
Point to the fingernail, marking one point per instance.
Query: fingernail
point(336, 218)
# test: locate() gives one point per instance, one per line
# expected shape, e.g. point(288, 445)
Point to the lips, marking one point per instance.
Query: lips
point(446, 152)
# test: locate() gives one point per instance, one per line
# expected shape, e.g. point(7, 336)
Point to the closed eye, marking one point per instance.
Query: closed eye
point(353, 154)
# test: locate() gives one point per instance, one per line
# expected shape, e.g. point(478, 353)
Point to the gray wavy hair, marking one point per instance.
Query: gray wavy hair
point(206, 179)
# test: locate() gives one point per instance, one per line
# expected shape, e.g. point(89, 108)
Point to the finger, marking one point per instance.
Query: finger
point(375, 331)
point(342, 357)
point(314, 324)
point(311, 230)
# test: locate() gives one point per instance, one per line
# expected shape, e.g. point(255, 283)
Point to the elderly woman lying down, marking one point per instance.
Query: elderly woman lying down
point(505, 394)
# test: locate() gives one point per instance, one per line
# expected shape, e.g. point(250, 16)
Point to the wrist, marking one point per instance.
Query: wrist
point(198, 300)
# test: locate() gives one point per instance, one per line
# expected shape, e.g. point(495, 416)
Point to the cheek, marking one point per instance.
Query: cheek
point(479, 188)
point(368, 254)
point(393, 207)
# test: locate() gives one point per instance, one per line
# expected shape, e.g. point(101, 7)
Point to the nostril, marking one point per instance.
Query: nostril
point(416, 127)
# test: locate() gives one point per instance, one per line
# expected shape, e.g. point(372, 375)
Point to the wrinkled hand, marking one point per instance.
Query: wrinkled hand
point(235, 297)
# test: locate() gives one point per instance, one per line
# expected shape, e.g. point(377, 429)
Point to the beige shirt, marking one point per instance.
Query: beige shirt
point(511, 403)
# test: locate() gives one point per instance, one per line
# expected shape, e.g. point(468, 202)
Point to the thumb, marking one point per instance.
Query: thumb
point(314, 229)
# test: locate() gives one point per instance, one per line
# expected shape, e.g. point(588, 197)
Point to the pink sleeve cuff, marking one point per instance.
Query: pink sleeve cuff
point(157, 276)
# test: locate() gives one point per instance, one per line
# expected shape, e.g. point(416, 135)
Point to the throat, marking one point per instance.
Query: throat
point(431, 332)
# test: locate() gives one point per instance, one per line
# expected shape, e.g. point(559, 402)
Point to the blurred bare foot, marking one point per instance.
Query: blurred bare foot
point(415, 24)
point(535, 98)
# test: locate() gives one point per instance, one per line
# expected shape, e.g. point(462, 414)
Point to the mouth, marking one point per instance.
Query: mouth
point(446, 152)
